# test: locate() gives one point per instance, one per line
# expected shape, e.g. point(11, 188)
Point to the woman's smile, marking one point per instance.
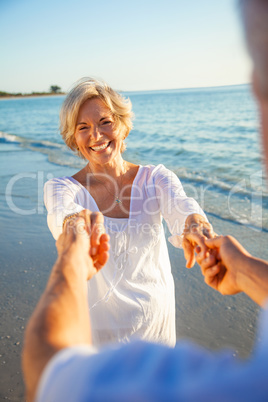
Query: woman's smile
point(101, 147)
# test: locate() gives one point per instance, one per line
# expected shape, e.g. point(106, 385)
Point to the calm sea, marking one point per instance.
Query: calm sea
point(208, 137)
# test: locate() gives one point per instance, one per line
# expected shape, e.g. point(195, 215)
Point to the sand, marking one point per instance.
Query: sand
point(28, 253)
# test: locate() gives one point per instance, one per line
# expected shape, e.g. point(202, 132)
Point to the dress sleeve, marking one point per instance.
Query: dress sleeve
point(59, 200)
point(175, 206)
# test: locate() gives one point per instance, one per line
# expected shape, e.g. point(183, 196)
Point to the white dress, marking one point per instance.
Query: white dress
point(133, 295)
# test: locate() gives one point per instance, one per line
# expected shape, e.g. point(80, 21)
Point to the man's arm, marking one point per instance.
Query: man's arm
point(236, 270)
point(61, 318)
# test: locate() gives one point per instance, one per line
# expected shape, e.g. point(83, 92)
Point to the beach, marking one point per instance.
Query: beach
point(214, 153)
point(28, 253)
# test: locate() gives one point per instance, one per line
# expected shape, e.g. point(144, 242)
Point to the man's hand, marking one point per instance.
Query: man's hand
point(85, 242)
point(231, 260)
point(196, 231)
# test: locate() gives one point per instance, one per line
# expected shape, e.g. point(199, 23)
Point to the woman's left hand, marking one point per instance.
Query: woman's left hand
point(196, 230)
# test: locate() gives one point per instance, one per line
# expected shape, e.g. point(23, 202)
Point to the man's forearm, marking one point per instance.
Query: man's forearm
point(61, 319)
point(253, 279)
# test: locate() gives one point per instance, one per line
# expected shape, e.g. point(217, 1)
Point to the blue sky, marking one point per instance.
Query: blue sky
point(133, 45)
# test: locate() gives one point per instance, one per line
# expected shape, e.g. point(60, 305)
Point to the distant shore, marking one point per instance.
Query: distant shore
point(6, 95)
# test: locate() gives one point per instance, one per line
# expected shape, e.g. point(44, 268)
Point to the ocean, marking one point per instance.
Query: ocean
point(207, 136)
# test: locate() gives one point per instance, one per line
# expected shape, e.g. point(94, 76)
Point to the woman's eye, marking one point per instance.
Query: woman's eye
point(107, 122)
point(82, 128)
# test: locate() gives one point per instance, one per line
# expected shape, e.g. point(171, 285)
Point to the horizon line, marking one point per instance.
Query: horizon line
point(185, 88)
point(137, 91)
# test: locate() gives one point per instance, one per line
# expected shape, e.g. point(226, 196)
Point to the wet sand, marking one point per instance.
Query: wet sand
point(28, 252)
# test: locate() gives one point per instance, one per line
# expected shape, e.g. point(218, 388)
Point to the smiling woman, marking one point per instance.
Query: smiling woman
point(133, 295)
point(118, 108)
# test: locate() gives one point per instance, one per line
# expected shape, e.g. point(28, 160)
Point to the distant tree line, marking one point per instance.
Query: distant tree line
point(54, 89)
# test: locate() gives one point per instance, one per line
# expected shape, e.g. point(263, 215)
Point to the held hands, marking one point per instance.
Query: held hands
point(84, 242)
point(196, 231)
point(222, 259)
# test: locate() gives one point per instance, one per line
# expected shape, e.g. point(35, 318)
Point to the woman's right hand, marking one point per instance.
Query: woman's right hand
point(84, 234)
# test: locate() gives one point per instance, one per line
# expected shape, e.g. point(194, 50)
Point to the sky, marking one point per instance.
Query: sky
point(133, 45)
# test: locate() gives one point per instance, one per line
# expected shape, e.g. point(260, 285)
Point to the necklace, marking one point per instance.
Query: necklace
point(116, 197)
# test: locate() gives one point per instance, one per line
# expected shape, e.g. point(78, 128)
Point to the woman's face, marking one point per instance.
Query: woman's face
point(98, 139)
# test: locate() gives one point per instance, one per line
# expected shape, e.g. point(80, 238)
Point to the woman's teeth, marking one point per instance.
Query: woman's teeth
point(100, 147)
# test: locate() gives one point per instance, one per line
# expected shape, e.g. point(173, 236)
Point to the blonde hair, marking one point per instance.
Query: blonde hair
point(89, 88)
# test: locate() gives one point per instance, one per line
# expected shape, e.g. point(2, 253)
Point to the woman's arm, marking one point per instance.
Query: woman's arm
point(186, 220)
point(59, 199)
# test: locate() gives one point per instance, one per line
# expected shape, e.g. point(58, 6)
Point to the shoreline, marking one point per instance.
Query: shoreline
point(31, 95)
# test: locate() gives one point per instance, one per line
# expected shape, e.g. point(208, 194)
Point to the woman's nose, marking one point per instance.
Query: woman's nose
point(96, 133)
